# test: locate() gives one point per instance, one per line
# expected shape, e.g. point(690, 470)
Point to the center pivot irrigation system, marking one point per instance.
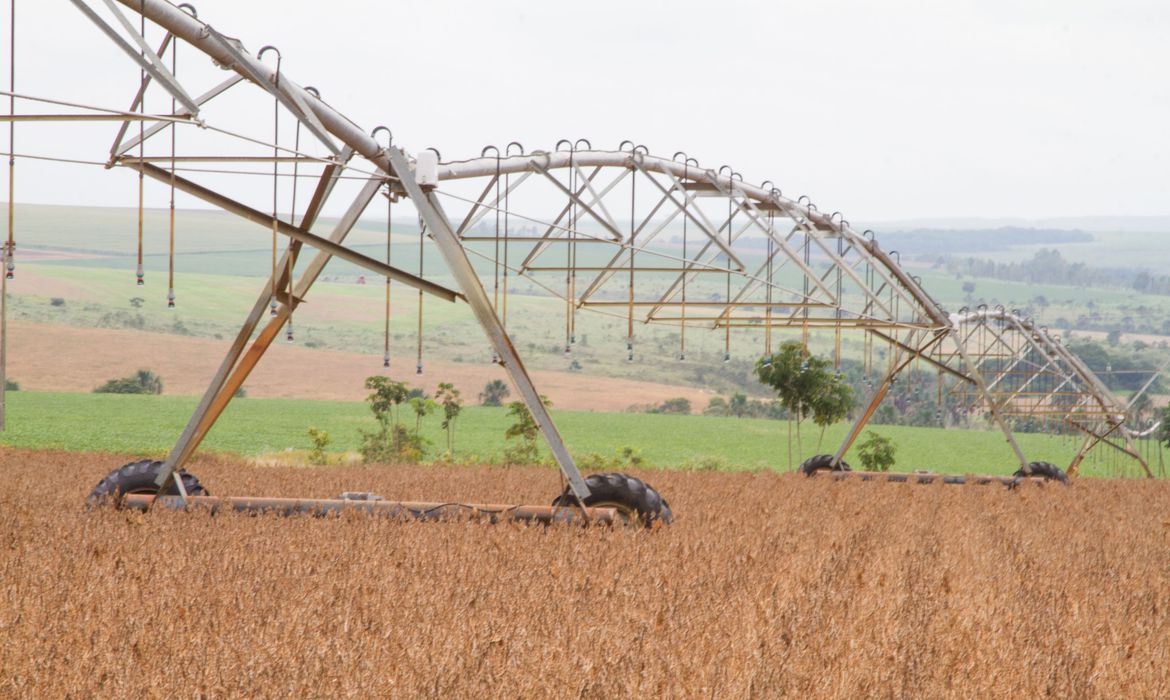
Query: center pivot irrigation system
point(598, 229)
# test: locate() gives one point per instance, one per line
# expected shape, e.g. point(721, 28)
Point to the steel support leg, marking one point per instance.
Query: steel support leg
point(225, 382)
point(456, 258)
point(1090, 441)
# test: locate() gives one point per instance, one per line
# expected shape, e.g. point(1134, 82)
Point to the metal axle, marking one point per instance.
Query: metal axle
point(405, 510)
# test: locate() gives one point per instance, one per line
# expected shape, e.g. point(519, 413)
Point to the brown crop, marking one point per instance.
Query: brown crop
point(766, 585)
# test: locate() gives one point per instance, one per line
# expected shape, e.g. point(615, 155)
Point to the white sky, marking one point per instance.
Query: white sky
point(890, 110)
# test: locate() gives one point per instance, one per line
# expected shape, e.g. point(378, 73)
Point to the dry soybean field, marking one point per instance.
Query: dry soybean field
point(766, 585)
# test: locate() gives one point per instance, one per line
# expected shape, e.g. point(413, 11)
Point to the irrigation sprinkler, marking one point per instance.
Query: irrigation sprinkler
point(605, 222)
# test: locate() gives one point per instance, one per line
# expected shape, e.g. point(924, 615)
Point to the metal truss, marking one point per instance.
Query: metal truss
point(1032, 375)
point(649, 239)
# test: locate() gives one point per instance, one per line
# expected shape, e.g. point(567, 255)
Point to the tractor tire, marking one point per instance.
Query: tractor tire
point(1047, 470)
point(822, 463)
point(636, 501)
point(138, 477)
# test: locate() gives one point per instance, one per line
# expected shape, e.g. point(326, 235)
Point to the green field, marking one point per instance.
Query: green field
point(148, 425)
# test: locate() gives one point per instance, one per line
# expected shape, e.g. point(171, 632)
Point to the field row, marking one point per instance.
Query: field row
point(766, 585)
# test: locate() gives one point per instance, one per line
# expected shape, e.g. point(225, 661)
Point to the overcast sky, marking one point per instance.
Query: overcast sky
point(883, 110)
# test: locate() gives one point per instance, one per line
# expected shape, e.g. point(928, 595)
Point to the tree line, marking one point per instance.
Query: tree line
point(1048, 266)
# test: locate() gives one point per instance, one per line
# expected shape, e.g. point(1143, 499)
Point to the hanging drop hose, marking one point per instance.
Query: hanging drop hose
point(291, 254)
point(837, 311)
point(422, 232)
point(630, 312)
point(682, 324)
point(572, 188)
point(10, 247)
point(386, 332)
point(496, 250)
point(171, 235)
point(140, 275)
point(768, 299)
point(570, 274)
point(275, 168)
point(389, 227)
point(730, 218)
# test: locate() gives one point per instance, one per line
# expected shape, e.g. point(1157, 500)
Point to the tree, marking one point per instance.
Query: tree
point(738, 405)
point(1164, 431)
point(876, 453)
point(448, 397)
point(969, 290)
point(524, 428)
point(832, 405)
point(494, 393)
point(805, 385)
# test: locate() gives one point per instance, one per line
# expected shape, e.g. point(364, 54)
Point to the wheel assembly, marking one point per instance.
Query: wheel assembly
point(139, 478)
point(1045, 470)
point(615, 499)
point(635, 501)
point(823, 463)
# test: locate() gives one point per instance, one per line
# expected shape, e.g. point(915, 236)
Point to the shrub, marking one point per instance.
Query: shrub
point(704, 464)
point(391, 442)
point(625, 458)
point(320, 440)
point(10, 385)
point(676, 405)
point(524, 450)
point(56, 301)
point(877, 452)
point(142, 382)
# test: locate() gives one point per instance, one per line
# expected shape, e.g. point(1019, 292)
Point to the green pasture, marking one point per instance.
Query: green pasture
point(148, 425)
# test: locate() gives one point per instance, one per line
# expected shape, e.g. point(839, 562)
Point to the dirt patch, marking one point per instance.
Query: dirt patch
point(45, 357)
point(766, 585)
point(46, 286)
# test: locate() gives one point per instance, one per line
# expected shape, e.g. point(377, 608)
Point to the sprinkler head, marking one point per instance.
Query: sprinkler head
point(568, 351)
point(495, 358)
point(682, 357)
point(727, 357)
point(630, 357)
point(386, 360)
point(170, 298)
point(140, 276)
point(272, 312)
point(418, 368)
